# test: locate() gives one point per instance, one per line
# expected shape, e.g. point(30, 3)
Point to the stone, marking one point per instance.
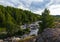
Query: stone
point(49, 35)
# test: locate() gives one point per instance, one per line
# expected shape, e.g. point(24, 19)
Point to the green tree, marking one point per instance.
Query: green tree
point(47, 21)
point(19, 32)
point(12, 18)
point(26, 31)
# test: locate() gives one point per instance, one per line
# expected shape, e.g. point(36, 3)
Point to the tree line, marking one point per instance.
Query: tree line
point(12, 18)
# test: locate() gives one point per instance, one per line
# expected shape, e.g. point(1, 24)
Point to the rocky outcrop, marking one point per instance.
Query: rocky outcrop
point(49, 35)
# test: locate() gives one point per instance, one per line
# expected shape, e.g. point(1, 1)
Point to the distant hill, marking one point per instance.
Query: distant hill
point(57, 18)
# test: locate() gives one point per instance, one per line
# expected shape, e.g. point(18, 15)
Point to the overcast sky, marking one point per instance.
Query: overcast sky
point(36, 6)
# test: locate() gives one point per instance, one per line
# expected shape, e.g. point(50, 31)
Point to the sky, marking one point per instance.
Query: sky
point(36, 6)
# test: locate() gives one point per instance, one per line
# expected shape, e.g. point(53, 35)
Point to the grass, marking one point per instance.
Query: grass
point(26, 39)
point(2, 29)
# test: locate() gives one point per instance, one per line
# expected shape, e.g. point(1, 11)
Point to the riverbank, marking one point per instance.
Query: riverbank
point(29, 39)
point(17, 39)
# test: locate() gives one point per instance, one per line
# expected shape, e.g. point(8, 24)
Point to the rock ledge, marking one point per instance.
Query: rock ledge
point(50, 35)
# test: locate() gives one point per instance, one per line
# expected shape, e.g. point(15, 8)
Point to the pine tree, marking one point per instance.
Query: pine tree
point(47, 21)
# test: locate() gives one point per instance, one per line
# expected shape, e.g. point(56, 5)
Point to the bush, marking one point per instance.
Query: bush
point(2, 36)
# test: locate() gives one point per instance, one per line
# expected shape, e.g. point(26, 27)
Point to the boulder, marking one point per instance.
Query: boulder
point(49, 35)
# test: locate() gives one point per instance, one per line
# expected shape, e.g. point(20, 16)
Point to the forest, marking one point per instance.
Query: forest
point(12, 18)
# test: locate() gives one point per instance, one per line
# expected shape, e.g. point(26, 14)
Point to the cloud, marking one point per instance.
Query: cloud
point(38, 0)
point(53, 6)
point(22, 7)
point(39, 11)
point(55, 9)
point(56, 1)
point(36, 6)
point(41, 5)
point(8, 2)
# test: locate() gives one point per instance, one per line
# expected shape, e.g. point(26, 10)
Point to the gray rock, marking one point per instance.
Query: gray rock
point(49, 35)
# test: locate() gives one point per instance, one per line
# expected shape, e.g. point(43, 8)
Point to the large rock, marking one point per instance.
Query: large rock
point(49, 35)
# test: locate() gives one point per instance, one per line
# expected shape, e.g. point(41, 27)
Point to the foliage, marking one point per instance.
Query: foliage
point(26, 31)
point(2, 30)
point(21, 32)
point(11, 18)
point(47, 21)
point(2, 36)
